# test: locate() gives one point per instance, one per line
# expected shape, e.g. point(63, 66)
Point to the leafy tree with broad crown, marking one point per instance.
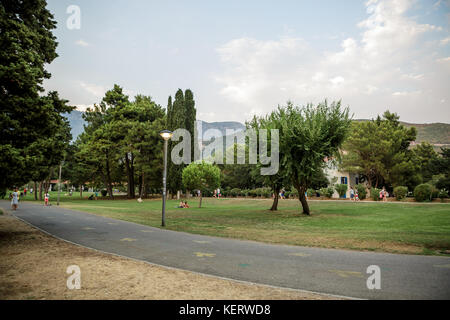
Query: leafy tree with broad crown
point(201, 176)
point(308, 135)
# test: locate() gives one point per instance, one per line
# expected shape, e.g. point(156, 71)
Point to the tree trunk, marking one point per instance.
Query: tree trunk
point(108, 179)
point(200, 203)
point(304, 202)
point(142, 187)
point(40, 191)
point(178, 194)
point(127, 167)
point(132, 186)
point(81, 192)
point(301, 196)
point(35, 191)
point(275, 200)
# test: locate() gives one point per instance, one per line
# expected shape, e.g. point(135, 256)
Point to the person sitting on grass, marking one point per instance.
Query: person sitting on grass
point(181, 205)
point(185, 205)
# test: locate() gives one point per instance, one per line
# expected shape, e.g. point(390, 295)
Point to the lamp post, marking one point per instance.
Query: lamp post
point(166, 135)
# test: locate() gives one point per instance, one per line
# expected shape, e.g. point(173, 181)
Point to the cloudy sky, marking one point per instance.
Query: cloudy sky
point(246, 57)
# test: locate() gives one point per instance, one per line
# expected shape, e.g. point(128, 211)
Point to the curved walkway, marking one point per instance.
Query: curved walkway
point(330, 271)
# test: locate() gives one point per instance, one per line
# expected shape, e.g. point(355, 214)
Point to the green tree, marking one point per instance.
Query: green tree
point(425, 156)
point(121, 116)
point(441, 166)
point(201, 176)
point(379, 151)
point(190, 117)
point(26, 118)
point(307, 136)
point(180, 114)
point(281, 179)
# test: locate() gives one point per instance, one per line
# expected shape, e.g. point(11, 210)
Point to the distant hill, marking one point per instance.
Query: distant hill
point(434, 133)
point(77, 124)
point(438, 134)
point(221, 126)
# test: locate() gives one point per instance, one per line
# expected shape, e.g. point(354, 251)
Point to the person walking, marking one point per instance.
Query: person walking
point(15, 199)
point(352, 194)
point(46, 199)
point(384, 194)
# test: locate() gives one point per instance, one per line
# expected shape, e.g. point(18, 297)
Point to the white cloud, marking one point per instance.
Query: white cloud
point(444, 41)
point(83, 107)
point(81, 43)
point(95, 90)
point(388, 62)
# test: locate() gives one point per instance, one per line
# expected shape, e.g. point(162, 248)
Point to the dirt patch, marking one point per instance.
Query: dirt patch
point(33, 266)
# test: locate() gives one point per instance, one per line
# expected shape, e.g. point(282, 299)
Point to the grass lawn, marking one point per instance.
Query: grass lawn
point(386, 227)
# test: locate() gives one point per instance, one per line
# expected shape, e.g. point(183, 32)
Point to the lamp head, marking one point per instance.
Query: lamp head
point(166, 134)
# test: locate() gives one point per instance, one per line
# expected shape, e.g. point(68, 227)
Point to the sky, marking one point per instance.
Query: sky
point(244, 58)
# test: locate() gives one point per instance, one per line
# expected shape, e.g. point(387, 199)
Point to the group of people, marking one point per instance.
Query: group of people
point(217, 193)
point(354, 194)
point(183, 204)
point(384, 194)
point(15, 198)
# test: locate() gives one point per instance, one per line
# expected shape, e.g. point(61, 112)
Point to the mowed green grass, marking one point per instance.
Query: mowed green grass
point(385, 227)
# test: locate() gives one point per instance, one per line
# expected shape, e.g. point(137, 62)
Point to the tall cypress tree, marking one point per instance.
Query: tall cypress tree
point(180, 114)
point(191, 114)
point(176, 114)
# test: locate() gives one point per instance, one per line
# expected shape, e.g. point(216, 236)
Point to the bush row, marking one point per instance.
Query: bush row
point(423, 192)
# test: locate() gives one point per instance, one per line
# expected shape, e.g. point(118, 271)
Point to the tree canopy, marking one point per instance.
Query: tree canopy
point(201, 176)
point(33, 131)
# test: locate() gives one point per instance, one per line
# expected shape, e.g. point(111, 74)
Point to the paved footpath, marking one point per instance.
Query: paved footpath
point(338, 272)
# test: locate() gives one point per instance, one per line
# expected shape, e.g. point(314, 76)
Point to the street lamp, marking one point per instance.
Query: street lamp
point(166, 135)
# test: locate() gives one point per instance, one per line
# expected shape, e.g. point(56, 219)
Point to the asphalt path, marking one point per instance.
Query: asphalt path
point(329, 271)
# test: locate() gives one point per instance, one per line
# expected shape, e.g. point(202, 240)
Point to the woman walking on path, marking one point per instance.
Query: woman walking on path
point(15, 199)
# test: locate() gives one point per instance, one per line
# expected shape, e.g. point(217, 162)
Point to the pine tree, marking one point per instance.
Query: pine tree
point(28, 122)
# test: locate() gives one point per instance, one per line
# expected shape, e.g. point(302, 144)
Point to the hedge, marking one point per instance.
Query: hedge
point(362, 191)
point(400, 192)
point(423, 192)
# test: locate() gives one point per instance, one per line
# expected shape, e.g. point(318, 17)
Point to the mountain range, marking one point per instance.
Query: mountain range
point(438, 134)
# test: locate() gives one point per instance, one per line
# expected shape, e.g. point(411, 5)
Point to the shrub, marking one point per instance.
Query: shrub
point(235, 192)
point(423, 192)
point(104, 193)
point(293, 193)
point(326, 192)
point(362, 191)
point(443, 194)
point(400, 192)
point(341, 189)
point(434, 192)
point(375, 194)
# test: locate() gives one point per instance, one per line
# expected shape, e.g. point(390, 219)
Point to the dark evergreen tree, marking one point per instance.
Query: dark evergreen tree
point(191, 114)
point(29, 123)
